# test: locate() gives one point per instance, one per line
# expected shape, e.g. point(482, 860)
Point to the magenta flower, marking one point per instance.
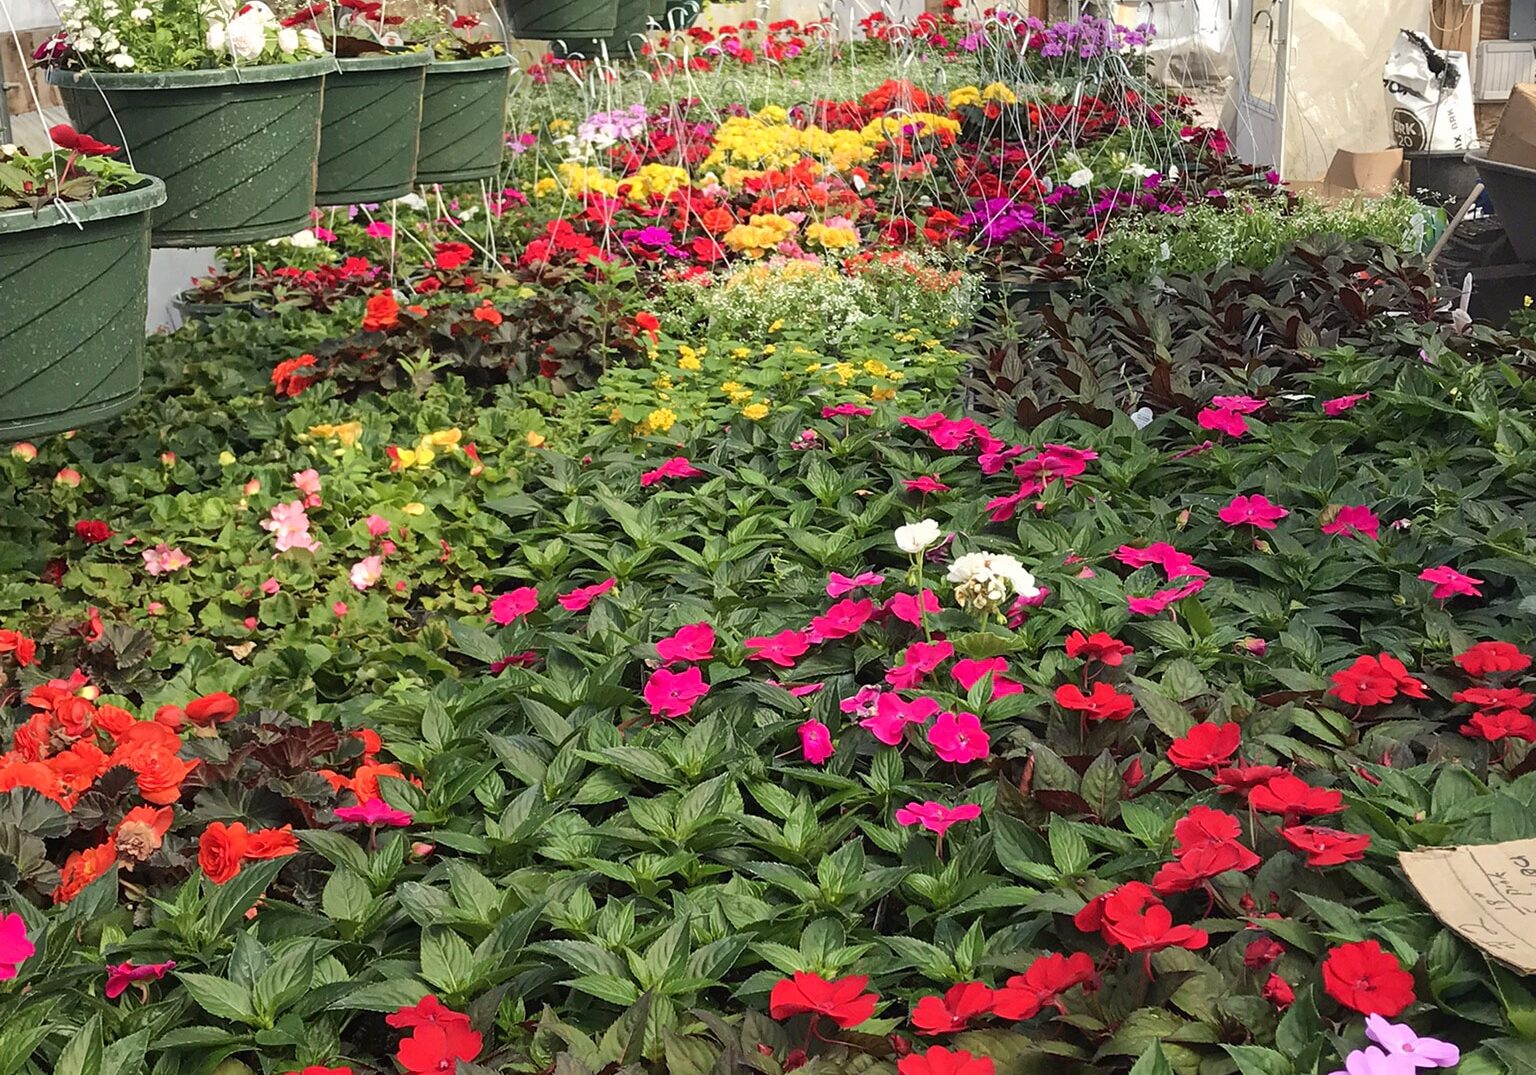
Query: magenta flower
point(780, 649)
point(936, 817)
point(121, 975)
point(1399, 1040)
point(1238, 404)
point(1160, 600)
point(1232, 423)
point(888, 723)
point(840, 585)
point(1450, 583)
point(672, 694)
point(847, 410)
point(1354, 520)
point(695, 642)
point(1175, 564)
point(863, 702)
point(925, 484)
point(15, 949)
point(816, 742)
point(970, 672)
point(958, 737)
point(377, 525)
point(514, 605)
point(1056, 461)
point(581, 597)
point(1255, 510)
point(919, 659)
point(1335, 407)
point(910, 609)
point(845, 618)
point(379, 229)
point(374, 812)
point(676, 467)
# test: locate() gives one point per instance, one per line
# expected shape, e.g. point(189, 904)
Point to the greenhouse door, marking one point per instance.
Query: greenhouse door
point(1262, 34)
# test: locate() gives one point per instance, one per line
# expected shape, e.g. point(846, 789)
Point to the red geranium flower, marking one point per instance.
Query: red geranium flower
point(1105, 703)
point(1363, 977)
point(1098, 646)
point(843, 1001)
point(92, 531)
point(1489, 658)
point(1205, 746)
point(954, 1010)
point(1326, 847)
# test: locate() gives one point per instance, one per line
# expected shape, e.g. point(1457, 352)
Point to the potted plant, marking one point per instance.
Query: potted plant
point(463, 129)
point(74, 275)
point(370, 124)
point(222, 103)
point(562, 20)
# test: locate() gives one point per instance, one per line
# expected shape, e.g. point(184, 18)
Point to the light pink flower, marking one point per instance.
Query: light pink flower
point(121, 975)
point(374, 812)
point(780, 649)
point(339, 609)
point(910, 609)
point(839, 585)
point(377, 525)
point(162, 559)
point(1354, 520)
point(959, 738)
point(308, 483)
point(1255, 510)
point(15, 949)
point(816, 742)
point(889, 721)
point(271, 586)
point(691, 644)
point(583, 596)
point(936, 817)
point(367, 572)
point(672, 694)
point(1335, 407)
point(676, 467)
point(514, 605)
point(290, 525)
point(1451, 583)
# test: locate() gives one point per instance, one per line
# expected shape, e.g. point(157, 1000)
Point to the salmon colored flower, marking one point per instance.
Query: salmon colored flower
point(81, 868)
point(1205, 746)
point(1099, 647)
point(216, 708)
point(579, 599)
point(221, 849)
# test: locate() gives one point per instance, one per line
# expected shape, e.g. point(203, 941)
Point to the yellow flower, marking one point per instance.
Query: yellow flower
point(776, 325)
point(882, 394)
point(347, 432)
point(731, 387)
point(831, 238)
point(415, 507)
point(615, 416)
point(443, 438)
point(526, 293)
point(559, 126)
point(686, 351)
point(689, 363)
point(1527, 302)
point(534, 439)
point(741, 352)
point(545, 187)
point(226, 458)
point(964, 95)
point(875, 368)
point(996, 91)
point(769, 348)
point(756, 412)
point(844, 371)
point(661, 420)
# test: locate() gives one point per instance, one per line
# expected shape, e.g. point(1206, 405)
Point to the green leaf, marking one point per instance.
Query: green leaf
point(1257, 1060)
point(386, 996)
point(1069, 851)
point(220, 997)
point(446, 960)
point(285, 981)
point(1152, 1062)
point(346, 897)
point(82, 1054)
point(232, 899)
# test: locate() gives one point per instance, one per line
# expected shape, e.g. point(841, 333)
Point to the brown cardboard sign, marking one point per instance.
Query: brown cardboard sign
point(1486, 893)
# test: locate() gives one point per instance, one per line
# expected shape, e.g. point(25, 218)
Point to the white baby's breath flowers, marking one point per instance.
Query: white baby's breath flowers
point(984, 580)
point(915, 537)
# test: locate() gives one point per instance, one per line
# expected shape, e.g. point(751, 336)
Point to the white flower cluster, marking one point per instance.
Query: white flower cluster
point(984, 580)
point(167, 35)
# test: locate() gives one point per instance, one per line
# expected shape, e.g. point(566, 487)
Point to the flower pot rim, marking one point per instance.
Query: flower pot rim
point(175, 80)
point(382, 61)
point(140, 198)
point(473, 63)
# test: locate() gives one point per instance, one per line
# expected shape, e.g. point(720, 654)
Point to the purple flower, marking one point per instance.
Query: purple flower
point(1372, 1061)
point(1401, 1041)
point(651, 236)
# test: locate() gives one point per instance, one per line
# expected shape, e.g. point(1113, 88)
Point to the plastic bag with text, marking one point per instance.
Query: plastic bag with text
point(1429, 96)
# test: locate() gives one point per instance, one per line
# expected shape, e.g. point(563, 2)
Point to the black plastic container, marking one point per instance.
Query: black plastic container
point(1512, 190)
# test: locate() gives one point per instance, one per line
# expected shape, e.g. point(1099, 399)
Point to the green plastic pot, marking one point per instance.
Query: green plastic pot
point(551, 20)
point(236, 149)
point(369, 128)
point(463, 131)
point(627, 37)
point(73, 302)
point(681, 14)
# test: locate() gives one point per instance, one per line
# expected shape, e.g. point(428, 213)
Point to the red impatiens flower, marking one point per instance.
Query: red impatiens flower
point(1246, 777)
point(1490, 658)
point(1133, 916)
point(1042, 984)
point(1199, 864)
point(953, 1011)
point(93, 531)
point(1505, 724)
point(1495, 697)
point(940, 1061)
point(781, 649)
point(1326, 847)
point(428, 1011)
point(1278, 992)
point(1374, 681)
point(1262, 952)
point(438, 1048)
point(1205, 746)
point(1098, 646)
point(1204, 825)
point(1105, 703)
point(843, 1001)
point(66, 137)
point(1291, 796)
point(1362, 976)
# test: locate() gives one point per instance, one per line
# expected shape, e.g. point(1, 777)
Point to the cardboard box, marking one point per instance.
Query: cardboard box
point(1357, 174)
point(1514, 141)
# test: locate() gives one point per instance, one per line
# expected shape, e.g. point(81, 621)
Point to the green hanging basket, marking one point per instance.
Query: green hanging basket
point(73, 302)
point(235, 148)
point(463, 130)
point(627, 38)
point(568, 20)
point(370, 128)
point(681, 14)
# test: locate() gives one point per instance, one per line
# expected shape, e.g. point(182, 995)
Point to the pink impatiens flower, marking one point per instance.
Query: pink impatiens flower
point(514, 605)
point(374, 812)
point(910, 609)
point(1231, 423)
point(970, 672)
point(367, 572)
point(1354, 520)
point(841, 585)
point(290, 525)
point(888, 723)
point(379, 229)
point(780, 649)
point(672, 694)
point(15, 949)
point(162, 559)
point(1335, 407)
point(676, 467)
point(121, 975)
point(1175, 564)
point(816, 742)
point(959, 738)
point(583, 596)
point(271, 586)
point(927, 483)
point(695, 642)
point(919, 659)
point(936, 817)
point(842, 619)
point(1255, 510)
point(1450, 583)
point(847, 410)
point(1160, 601)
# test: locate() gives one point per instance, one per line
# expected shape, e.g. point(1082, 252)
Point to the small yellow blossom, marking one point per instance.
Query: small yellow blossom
point(689, 363)
point(755, 412)
point(226, 458)
point(963, 96)
point(881, 395)
point(347, 433)
point(996, 91)
point(741, 352)
point(776, 325)
point(769, 348)
point(661, 420)
point(545, 187)
point(526, 293)
point(415, 507)
point(534, 439)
